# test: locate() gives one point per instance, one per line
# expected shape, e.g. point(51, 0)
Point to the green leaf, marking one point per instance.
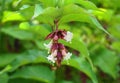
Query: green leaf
point(95, 22)
point(48, 3)
point(27, 2)
point(103, 14)
point(75, 13)
point(87, 4)
point(83, 3)
point(107, 61)
point(64, 81)
point(86, 18)
point(38, 10)
point(72, 9)
point(77, 44)
point(82, 65)
point(4, 78)
point(24, 26)
point(115, 30)
point(49, 15)
point(22, 80)
point(32, 56)
point(27, 13)
point(38, 30)
point(6, 59)
point(40, 44)
point(116, 46)
point(18, 33)
point(12, 16)
point(74, 17)
point(40, 73)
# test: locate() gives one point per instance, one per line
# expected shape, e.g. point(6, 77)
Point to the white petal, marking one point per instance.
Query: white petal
point(67, 56)
point(48, 46)
point(68, 36)
point(51, 58)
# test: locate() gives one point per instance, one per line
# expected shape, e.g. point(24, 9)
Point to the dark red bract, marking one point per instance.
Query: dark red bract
point(59, 47)
point(57, 50)
point(59, 34)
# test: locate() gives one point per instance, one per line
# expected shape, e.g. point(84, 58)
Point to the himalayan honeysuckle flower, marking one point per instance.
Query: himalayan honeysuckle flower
point(52, 57)
point(48, 46)
point(57, 50)
point(68, 36)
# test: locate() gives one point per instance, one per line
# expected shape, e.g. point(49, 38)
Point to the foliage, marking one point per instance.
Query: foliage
point(95, 46)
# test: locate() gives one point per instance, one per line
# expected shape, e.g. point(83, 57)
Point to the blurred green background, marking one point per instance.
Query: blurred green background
point(95, 47)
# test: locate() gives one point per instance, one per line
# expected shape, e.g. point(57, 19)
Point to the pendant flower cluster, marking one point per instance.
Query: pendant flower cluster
point(57, 50)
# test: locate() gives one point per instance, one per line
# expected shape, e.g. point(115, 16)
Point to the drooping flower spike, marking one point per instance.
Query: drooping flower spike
point(57, 50)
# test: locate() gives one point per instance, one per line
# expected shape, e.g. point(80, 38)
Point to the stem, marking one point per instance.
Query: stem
point(56, 24)
point(52, 28)
point(90, 61)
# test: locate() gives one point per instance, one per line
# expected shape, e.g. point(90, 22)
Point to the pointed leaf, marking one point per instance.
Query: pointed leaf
point(38, 10)
point(48, 15)
point(32, 56)
point(86, 18)
point(82, 65)
point(107, 61)
point(77, 44)
point(48, 3)
point(40, 73)
point(18, 33)
point(6, 59)
point(83, 3)
point(27, 13)
point(12, 16)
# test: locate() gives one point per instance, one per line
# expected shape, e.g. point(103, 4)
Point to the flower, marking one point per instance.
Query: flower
point(51, 58)
point(54, 53)
point(57, 50)
point(67, 56)
point(68, 37)
point(48, 46)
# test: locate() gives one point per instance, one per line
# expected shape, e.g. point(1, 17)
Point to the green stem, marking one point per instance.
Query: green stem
point(90, 61)
point(56, 24)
